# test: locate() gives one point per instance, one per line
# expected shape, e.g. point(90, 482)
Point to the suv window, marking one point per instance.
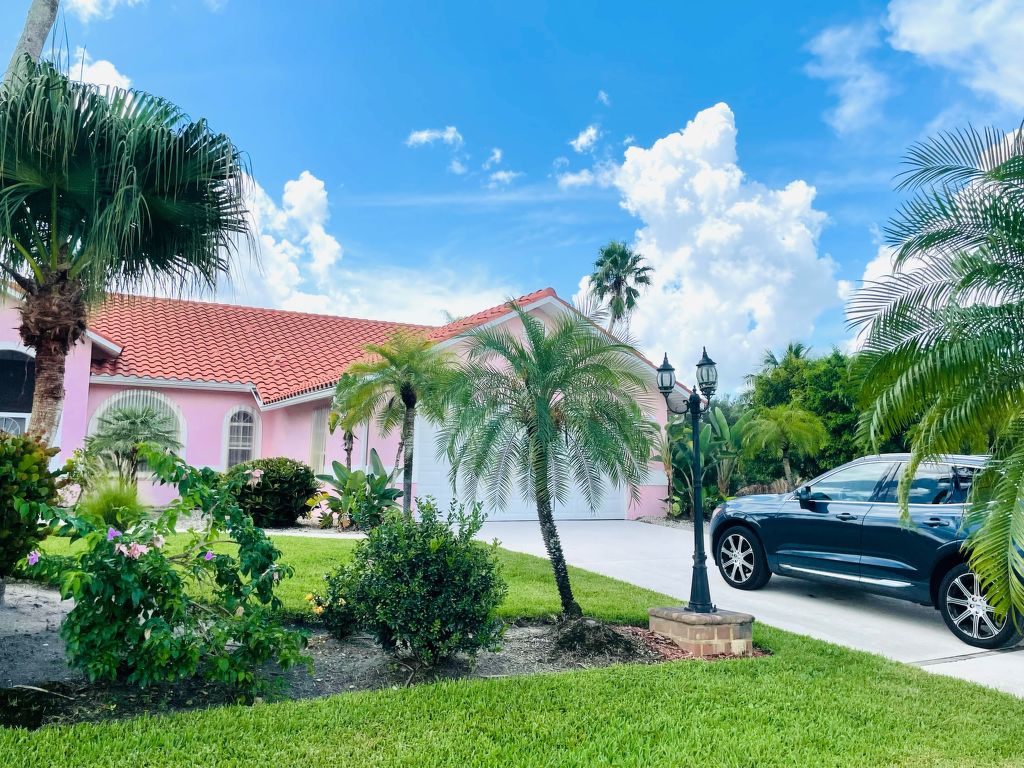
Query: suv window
point(856, 483)
point(933, 484)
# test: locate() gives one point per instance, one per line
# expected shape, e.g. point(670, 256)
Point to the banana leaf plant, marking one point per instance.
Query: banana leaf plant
point(354, 497)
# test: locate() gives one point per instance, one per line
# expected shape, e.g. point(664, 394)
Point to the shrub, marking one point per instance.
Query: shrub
point(27, 489)
point(111, 502)
point(279, 496)
point(426, 589)
point(134, 613)
point(356, 498)
point(120, 434)
point(334, 607)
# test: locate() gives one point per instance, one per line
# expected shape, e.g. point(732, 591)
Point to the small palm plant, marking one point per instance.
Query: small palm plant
point(104, 189)
point(943, 336)
point(344, 418)
point(121, 431)
point(618, 274)
point(784, 431)
point(402, 377)
point(561, 406)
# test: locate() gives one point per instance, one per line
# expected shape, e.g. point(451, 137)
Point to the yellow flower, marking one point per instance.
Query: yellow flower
point(318, 610)
point(309, 597)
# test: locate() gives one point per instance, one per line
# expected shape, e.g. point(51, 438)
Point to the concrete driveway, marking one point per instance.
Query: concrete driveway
point(659, 558)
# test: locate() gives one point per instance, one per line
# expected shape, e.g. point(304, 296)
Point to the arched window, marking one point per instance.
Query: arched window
point(141, 398)
point(241, 436)
point(17, 385)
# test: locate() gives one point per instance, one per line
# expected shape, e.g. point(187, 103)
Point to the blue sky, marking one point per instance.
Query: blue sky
point(371, 130)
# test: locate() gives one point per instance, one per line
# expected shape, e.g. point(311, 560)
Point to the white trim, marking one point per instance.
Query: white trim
point(225, 433)
point(112, 402)
point(306, 397)
point(848, 577)
point(105, 344)
point(11, 346)
point(146, 381)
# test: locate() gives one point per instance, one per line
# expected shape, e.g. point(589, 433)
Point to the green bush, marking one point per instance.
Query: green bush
point(111, 501)
point(277, 495)
point(27, 489)
point(355, 498)
point(426, 589)
point(334, 607)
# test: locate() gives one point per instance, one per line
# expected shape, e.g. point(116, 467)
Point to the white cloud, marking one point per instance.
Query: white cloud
point(841, 57)
point(457, 167)
point(560, 162)
point(302, 268)
point(736, 263)
point(586, 139)
point(87, 10)
point(494, 159)
point(97, 72)
point(879, 267)
point(980, 40)
point(604, 98)
point(448, 135)
point(629, 140)
point(503, 178)
point(583, 178)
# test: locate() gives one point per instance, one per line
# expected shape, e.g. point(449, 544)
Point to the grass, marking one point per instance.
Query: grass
point(808, 704)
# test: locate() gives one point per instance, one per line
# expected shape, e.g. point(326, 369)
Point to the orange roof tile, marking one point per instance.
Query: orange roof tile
point(282, 354)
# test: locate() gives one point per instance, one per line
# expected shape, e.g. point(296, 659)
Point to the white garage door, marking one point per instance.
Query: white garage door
point(430, 474)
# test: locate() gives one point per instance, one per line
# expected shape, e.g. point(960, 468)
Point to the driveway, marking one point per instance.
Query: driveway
point(659, 558)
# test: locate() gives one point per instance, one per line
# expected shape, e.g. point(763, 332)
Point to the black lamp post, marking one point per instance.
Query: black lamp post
point(707, 382)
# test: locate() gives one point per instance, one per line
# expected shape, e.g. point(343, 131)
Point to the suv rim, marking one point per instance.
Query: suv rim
point(738, 557)
point(969, 610)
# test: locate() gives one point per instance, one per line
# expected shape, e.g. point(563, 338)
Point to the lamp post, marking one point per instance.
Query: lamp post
point(707, 381)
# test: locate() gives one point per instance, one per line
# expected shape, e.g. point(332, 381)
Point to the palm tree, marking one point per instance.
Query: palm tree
point(104, 190)
point(617, 274)
point(120, 432)
point(784, 431)
point(943, 337)
point(561, 406)
point(401, 376)
point(344, 417)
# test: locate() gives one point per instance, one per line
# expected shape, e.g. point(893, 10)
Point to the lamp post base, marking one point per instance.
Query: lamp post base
point(722, 633)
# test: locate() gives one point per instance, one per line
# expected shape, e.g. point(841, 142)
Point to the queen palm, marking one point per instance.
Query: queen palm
point(399, 378)
point(554, 408)
point(943, 337)
point(618, 273)
point(100, 190)
point(784, 431)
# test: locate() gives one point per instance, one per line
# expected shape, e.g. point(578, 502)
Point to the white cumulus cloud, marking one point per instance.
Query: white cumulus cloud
point(96, 71)
point(502, 178)
point(583, 178)
point(841, 57)
point(981, 40)
point(586, 139)
point(494, 159)
point(604, 98)
point(736, 263)
point(302, 268)
point(448, 135)
point(457, 167)
point(87, 10)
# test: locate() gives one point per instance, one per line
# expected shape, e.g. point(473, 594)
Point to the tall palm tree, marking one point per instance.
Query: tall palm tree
point(618, 273)
point(102, 189)
point(784, 431)
point(344, 417)
point(561, 406)
point(943, 337)
point(401, 377)
point(120, 432)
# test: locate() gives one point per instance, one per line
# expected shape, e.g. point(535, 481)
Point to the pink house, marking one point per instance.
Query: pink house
point(244, 382)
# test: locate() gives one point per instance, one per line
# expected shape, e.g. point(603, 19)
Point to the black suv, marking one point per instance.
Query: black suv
point(844, 528)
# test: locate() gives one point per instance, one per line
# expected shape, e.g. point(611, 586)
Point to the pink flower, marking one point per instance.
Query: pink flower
point(136, 550)
point(121, 549)
point(209, 555)
point(158, 541)
point(33, 557)
point(112, 533)
point(254, 477)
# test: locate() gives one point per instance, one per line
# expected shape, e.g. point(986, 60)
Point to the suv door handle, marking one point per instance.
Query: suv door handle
point(846, 516)
point(936, 522)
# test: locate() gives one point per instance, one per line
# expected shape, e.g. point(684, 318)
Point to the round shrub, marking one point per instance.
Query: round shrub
point(27, 488)
point(426, 589)
point(277, 496)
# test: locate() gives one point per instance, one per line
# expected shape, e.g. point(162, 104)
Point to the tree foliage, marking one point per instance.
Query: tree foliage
point(619, 274)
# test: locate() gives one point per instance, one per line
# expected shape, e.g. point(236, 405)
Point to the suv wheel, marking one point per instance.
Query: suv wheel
point(968, 614)
point(741, 559)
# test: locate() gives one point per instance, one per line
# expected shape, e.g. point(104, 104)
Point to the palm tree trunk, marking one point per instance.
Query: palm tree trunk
point(38, 23)
point(570, 608)
point(48, 398)
point(408, 427)
point(349, 439)
point(787, 469)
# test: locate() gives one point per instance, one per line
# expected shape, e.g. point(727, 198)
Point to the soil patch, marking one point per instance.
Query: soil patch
point(38, 688)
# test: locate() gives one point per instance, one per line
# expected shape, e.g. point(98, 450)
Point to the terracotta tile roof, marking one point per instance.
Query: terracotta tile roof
point(282, 354)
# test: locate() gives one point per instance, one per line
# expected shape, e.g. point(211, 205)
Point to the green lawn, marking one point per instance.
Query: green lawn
point(809, 704)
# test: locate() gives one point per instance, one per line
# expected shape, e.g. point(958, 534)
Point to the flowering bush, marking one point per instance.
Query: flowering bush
point(134, 613)
point(334, 608)
point(27, 489)
point(425, 589)
point(279, 497)
point(356, 498)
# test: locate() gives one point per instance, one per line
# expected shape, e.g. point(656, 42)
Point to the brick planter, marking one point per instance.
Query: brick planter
point(706, 634)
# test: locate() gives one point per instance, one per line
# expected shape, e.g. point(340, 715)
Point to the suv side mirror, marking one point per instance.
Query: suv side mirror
point(803, 495)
